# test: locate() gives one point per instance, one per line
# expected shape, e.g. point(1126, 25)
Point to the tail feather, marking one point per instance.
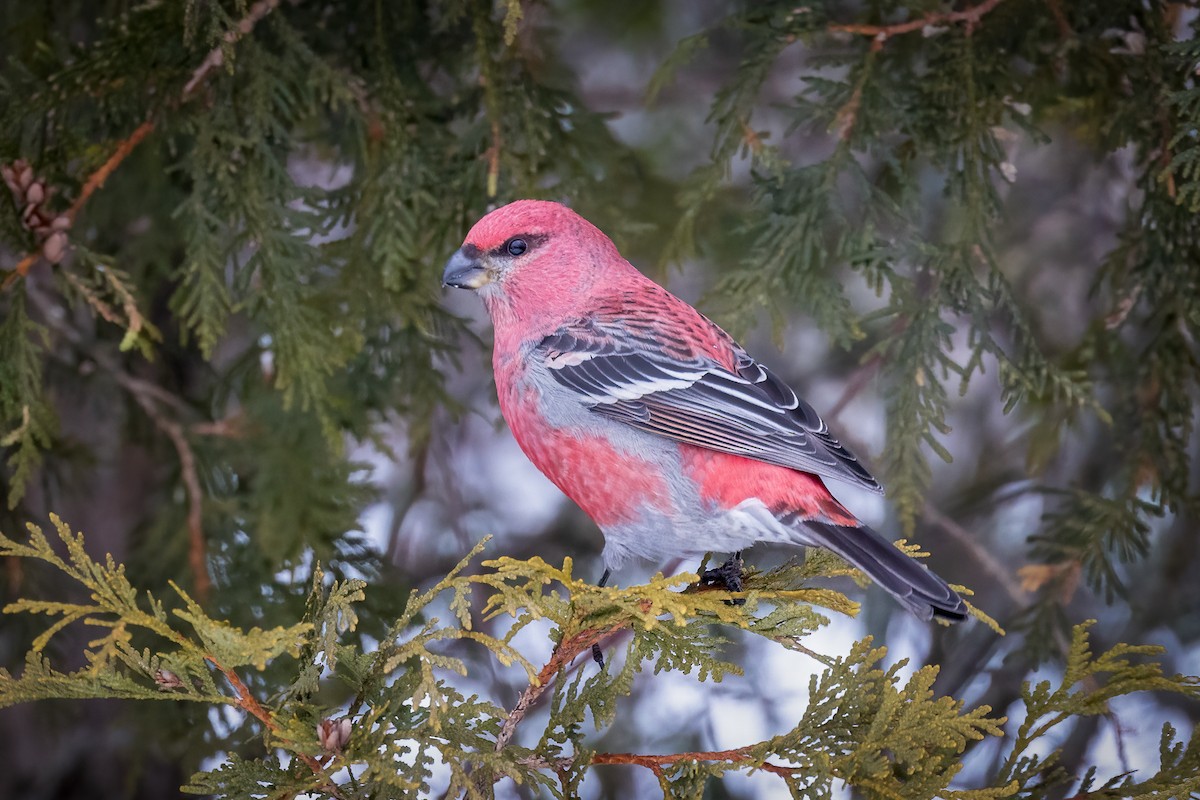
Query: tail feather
point(918, 588)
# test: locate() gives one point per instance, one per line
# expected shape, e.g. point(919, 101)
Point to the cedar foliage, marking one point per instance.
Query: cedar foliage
point(224, 220)
point(864, 725)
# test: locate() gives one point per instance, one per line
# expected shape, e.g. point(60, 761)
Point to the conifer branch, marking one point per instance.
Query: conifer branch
point(216, 56)
point(66, 220)
point(249, 703)
point(882, 33)
point(741, 755)
point(564, 653)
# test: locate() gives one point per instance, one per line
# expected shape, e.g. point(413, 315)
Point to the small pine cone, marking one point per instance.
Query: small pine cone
point(333, 734)
point(55, 247)
point(167, 679)
point(36, 193)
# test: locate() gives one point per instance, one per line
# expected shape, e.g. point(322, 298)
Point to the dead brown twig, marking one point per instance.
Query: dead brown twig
point(197, 547)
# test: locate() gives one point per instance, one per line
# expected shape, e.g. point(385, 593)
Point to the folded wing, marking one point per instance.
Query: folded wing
point(746, 411)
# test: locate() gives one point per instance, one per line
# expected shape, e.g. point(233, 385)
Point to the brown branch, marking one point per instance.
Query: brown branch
point(148, 395)
point(882, 33)
point(197, 548)
point(231, 427)
point(847, 115)
point(249, 703)
point(216, 56)
point(21, 269)
point(564, 652)
point(739, 755)
point(1060, 19)
point(1020, 597)
point(96, 180)
point(858, 381)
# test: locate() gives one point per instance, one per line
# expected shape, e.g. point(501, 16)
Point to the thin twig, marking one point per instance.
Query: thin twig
point(858, 381)
point(97, 178)
point(231, 427)
point(565, 652)
point(21, 269)
point(94, 182)
point(970, 16)
point(1060, 19)
point(197, 548)
point(249, 703)
point(149, 395)
point(979, 553)
point(847, 115)
point(216, 56)
point(656, 762)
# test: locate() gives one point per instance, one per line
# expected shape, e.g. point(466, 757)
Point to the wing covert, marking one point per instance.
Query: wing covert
point(748, 412)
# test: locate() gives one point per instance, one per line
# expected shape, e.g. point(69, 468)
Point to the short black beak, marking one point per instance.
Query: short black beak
point(463, 270)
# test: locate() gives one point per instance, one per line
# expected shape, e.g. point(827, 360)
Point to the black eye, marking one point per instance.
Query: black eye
point(516, 246)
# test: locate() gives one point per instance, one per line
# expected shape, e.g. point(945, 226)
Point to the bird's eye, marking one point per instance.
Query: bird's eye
point(516, 246)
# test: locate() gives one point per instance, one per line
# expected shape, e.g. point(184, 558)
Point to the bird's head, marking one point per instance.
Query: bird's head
point(531, 257)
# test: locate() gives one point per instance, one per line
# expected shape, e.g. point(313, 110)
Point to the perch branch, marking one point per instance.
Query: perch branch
point(882, 33)
point(657, 762)
point(564, 653)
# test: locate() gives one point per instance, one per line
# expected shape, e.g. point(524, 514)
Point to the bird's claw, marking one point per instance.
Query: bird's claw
point(728, 576)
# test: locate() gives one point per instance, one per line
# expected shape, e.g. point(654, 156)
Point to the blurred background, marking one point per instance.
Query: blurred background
point(971, 243)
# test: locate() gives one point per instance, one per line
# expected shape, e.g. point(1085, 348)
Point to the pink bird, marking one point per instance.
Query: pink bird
point(652, 419)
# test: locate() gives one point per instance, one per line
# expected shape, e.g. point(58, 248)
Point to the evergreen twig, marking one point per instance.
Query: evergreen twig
point(127, 145)
point(970, 16)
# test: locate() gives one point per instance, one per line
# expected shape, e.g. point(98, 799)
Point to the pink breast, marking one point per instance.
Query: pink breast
point(611, 485)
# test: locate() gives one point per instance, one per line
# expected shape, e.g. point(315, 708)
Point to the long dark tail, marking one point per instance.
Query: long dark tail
point(919, 589)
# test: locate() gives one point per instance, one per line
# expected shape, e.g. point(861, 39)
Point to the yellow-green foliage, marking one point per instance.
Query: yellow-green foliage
point(864, 725)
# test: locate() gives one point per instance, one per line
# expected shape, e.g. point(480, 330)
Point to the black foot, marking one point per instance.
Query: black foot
point(727, 576)
point(597, 653)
